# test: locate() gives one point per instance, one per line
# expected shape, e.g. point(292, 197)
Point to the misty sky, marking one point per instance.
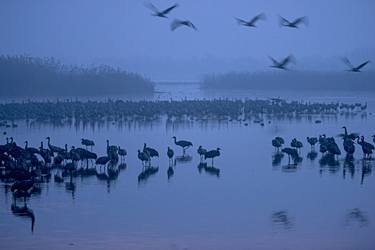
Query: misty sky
point(123, 33)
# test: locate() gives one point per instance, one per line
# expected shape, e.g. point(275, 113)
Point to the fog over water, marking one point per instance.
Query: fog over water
point(122, 129)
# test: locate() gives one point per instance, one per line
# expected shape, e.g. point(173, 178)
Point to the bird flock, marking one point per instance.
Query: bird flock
point(27, 165)
point(251, 23)
point(328, 147)
point(259, 111)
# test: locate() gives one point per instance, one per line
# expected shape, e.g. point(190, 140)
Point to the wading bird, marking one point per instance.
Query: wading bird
point(201, 151)
point(87, 143)
point(183, 144)
point(170, 155)
point(312, 141)
point(212, 154)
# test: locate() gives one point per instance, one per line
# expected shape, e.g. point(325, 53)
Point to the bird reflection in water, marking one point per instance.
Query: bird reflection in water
point(211, 170)
point(170, 172)
point(356, 216)
point(348, 165)
point(366, 169)
point(330, 161)
point(147, 173)
point(312, 155)
point(282, 219)
point(276, 159)
point(25, 212)
point(110, 173)
point(183, 159)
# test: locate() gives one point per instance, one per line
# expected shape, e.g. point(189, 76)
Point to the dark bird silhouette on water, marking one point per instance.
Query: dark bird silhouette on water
point(291, 152)
point(346, 135)
point(54, 149)
point(353, 68)
point(332, 147)
point(178, 23)
point(293, 24)
point(201, 151)
point(367, 147)
point(183, 144)
point(22, 186)
point(122, 152)
point(144, 157)
point(312, 141)
point(277, 143)
point(252, 22)
point(282, 64)
point(158, 13)
point(296, 144)
point(102, 161)
point(170, 155)
point(212, 154)
point(150, 151)
point(87, 143)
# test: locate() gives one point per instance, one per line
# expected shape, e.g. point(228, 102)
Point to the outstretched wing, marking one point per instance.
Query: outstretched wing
point(261, 16)
point(347, 62)
point(273, 60)
point(283, 21)
point(166, 11)
point(363, 65)
point(175, 24)
point(152, 7)
point(190, 24)
point(300, 20)
point(241, 21)
point(287, 60)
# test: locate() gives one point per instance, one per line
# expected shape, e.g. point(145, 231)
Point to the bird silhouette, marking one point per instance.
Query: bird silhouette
point(252, 22)
point(353, 68)
point(157, 12)
point(201, 151)
point(144, 157)
point(312, 141)
point(212, 154)
point(170, 155)
point(293, 24)
point(282, 64)
point(183, 144)
point(176, 23)
point(367, 147)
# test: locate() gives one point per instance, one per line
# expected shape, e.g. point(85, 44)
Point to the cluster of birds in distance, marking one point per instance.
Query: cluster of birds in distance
point(252, 23)
point(327, 146)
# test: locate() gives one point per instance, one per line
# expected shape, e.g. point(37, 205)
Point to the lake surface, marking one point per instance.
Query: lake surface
point(256, 202)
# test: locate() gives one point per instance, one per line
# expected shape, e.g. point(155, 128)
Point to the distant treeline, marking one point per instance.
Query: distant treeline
point(292, 80)
point(28, 76)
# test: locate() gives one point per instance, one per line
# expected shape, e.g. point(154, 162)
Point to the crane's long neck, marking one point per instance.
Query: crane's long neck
point(26, 144)
point(346, 131)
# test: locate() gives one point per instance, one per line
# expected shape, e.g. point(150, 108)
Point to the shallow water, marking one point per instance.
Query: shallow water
point(254, 203)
